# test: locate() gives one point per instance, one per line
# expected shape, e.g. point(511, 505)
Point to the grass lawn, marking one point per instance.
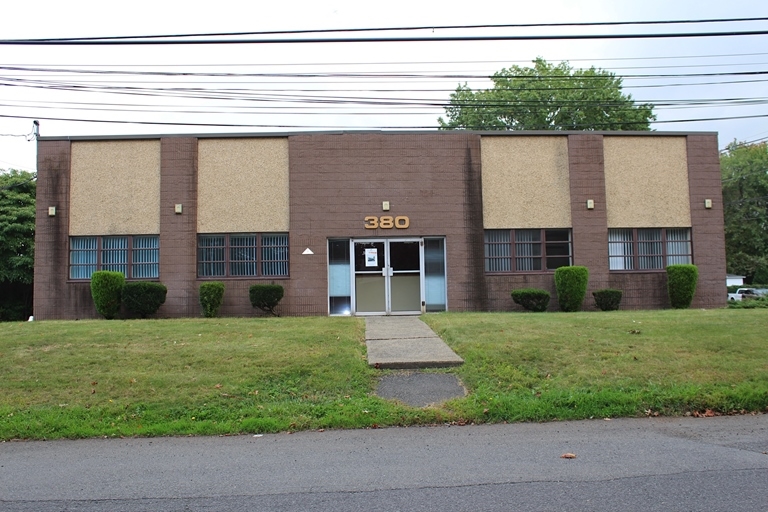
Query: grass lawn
point(232, 375)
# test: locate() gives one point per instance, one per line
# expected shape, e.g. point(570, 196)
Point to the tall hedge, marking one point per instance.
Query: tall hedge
point(211, 298)
point(144, 298)
point(571, 286)
point(107, 292)
point(681, 285)
point(266, 297)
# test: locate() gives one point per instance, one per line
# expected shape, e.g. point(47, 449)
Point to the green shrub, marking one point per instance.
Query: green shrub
point(211, 298)
point(532, 299)
point(758, 303)
point(734, 287)
point(571, 286)
point(266, 297)
point(143, 298)
point(681, 285)
point(607, 299)
point(107, 290)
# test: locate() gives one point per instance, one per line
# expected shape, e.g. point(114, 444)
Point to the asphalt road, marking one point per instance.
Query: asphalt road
point(649, 464)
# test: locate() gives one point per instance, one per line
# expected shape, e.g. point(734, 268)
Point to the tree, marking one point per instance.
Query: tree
point(17, 243)
point(547, 97)
point(745, 199)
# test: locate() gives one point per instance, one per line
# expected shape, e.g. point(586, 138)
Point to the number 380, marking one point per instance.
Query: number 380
point(387, 222)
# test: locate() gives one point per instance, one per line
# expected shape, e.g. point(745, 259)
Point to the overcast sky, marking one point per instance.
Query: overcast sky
point(51, 84)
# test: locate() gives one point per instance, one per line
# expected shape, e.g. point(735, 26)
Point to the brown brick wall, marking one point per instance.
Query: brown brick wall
point(640, 290)
point(178, 232)
point(707, 225)
point(54, 297)
point(337, 180)
point(590, 227)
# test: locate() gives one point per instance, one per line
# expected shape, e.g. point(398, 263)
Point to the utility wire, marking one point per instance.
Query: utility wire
point(395, 29)
point(403, 39)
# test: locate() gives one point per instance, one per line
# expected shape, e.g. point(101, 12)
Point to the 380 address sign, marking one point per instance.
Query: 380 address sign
point(387, 222)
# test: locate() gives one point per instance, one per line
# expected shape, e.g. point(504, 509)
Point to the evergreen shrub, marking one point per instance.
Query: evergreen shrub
point(107, 291)
point(681, 284)
point(571, 286)
point(532, 299)
point(266, 297)
point(211, 298)
point(607, 299)
point(144, 298)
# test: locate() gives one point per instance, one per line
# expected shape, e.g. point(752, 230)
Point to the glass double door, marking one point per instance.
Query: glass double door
point(388, 276)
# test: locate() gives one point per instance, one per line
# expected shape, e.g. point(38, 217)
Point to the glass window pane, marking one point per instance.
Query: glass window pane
point(243, 254)
point(620, 249)
point(82, 257)
point(145, 257)
point(210, 255)
point(498, 251)
point(339, 280)
point(527, 249)
point(434, 274)
point(114, 254)
point(274, 255)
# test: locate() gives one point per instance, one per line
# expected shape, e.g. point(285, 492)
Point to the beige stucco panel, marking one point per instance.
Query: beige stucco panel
point(242, 185)
point(646, 182)
point(525, 182)
point(115, 188)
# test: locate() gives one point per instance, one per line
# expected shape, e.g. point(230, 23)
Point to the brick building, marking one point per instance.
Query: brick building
point(377, 222)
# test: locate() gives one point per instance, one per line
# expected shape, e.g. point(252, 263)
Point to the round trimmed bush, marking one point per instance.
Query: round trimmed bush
point(571, 286)
point(607, 299)
point(266, 297)
point(532, 299)
point(107, 291)
point(681, 285)
point(144, 298)
point(211, 298)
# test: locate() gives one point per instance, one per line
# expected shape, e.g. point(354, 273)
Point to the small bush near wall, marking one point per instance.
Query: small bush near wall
point(532, 299)
point(571, 286)
point(266, 297)
point(758, 303)
point(107, 291)
point(211, 298)
point(681, 285)
point(144, 298)
point(607, 299)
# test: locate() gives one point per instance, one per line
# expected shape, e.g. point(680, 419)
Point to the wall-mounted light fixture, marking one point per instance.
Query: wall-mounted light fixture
point(51, 211)
point(590, 204)
point(707, 204)
point(385, 206)
point(177, 208)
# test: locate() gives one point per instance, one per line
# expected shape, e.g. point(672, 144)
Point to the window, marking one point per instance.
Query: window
point(137, 257)
point(242, 255)
point(527, 250)
point(648, 249)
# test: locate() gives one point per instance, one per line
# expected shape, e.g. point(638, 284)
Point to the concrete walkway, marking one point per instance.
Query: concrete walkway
point(405, 342)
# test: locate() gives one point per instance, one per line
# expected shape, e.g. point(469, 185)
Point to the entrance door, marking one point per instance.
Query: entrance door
point(388, 276)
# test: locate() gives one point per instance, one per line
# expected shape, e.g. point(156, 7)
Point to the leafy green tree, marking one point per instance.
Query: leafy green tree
point(17, 243)
point(547, 97)
point(745, 200)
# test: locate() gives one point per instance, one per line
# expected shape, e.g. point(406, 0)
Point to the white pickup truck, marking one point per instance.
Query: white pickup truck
point(745, 293)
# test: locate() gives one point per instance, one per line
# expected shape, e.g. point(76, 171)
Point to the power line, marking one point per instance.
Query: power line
point(606, 125)
point(411, 39)
point(390, 29)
